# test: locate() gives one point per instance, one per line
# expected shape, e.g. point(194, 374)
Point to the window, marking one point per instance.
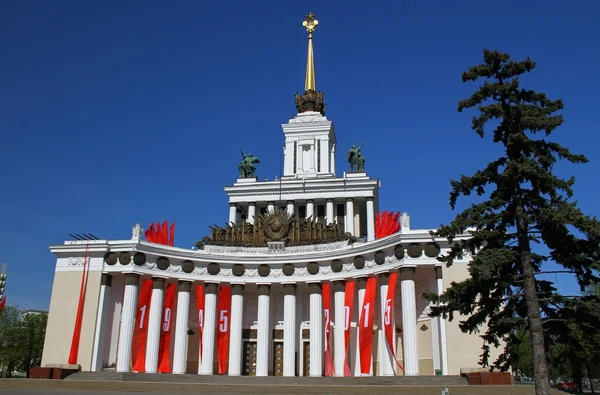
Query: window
point(321, 211)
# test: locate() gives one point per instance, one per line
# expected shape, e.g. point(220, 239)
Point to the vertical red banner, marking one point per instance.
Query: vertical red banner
point(200, 308)
point(164, 348)
point(348, 304)
point(389, 314)
point(223, 314)
point(329, 368)
point(140, 332)
point(365, 325)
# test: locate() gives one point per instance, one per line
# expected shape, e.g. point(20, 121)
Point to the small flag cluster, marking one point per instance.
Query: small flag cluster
point(386, 223)
point(161, 234)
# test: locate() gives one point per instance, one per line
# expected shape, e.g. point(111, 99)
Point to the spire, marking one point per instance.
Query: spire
point(310, 24)
point(311, 100)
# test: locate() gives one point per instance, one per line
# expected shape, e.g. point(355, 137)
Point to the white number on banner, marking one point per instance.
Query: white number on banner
point(388, 311)
point(366, 320)
point(223, 321)
point(143, 309)
point(201, 318)
point(167, 321)
point(346, 317)
point(326, 311)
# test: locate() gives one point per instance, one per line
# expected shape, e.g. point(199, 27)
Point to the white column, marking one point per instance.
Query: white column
point(332, 164)
point(208, 332)
point(361, 284)
point(232, 212)
point(409, 321)
point(270, 207)
point(101, 328)
point(290, 207)
point(235, 334)
point(181, 327)
point(127, 322)
point(262, 332)
point(386, 361)
point(370, 219)
point(329, 211)
point(289, 330)
point(316, 330)
point(154, 322)
point(310, 208)
point(350, 215)
point(442, 325)
point(339, 296)
point(251, 213)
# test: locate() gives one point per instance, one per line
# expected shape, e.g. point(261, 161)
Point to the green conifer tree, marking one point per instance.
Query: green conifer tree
point(522, 204)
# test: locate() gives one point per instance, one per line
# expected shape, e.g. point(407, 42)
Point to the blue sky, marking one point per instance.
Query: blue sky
point(113, 113)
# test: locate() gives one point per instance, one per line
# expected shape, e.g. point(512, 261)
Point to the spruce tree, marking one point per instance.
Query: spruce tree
point(524, 217)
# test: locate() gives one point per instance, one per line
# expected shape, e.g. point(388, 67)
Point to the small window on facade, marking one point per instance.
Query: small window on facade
point(340, 210)
point(321, 211)
point(301, 211)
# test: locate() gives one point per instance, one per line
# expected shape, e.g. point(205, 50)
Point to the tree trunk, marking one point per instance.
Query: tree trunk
point(540, 365)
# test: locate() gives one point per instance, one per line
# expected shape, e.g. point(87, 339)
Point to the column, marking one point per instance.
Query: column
point(235, 330)
point(310, 208)
point(208, 333)
point(339, 296)
point(370, 219)
point(251, 213)
point(361, 284)
point(101, 328)
point(316, 330)
point(271, 207)
point(409, 321)
point(350, 215)
point(154, 322)
point(332, 164)
point(386, 363)
point(289, 330)
point(127, 322)
point(181, 327)
point(329, 211)
point(290, 207)
point(232, 212)
point(262, 333)
point(442, 325)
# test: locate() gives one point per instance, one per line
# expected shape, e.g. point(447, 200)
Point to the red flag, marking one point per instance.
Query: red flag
point(79, 317)
point(172, 234)
point(164, 348)
point(151, 231)
point(224, 310)
point(140, 332)
point(2, 303)
point(389, 313)
point(329, 368)
point(200, 308)
point(365, 323)
point(348, 304)
point(164, 233)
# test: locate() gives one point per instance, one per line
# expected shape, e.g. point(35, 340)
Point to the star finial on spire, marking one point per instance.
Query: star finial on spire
point(310, 23)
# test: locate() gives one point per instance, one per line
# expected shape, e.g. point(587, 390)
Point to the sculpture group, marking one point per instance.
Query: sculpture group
point(356, 158)
point(246, 167)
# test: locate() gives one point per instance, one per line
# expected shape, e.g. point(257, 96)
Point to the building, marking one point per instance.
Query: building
point(298, 283)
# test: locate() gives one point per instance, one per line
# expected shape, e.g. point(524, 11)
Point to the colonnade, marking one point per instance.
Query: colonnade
point(290, 330)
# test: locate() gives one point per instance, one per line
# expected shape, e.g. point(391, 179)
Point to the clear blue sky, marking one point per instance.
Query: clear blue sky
point(118, 112)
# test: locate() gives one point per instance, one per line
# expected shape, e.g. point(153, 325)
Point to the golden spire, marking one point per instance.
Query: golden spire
point(310, 24)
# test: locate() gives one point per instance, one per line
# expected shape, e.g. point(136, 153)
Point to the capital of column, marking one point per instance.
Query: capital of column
point(264, 289)
point(407, 273)
point(290, 202)
point(106, 280)
point(438, 272)
point(349, 199)
point(329, 200)
point(231, 204)
point(384, 279)
point(339, 286)
point(211, 288)
point(314, 288)
point(158, 283)
point(184, 286)
point(251, 203)
point(310, 201)
point(289, 289)
point(361, 282)
point(132, 279)
point(237, 289)
point(271, 203)
point(369, 198)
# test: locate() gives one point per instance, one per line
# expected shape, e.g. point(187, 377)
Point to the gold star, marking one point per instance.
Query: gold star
point(310, 23)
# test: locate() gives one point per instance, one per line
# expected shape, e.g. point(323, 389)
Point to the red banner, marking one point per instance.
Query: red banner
point(223, 313)
point(140, 332)
point(200, 308)
point(388, 322)
point(348, 304)
point(164, 348)
point(365, 325)
point(80, 306)
point(329, 368)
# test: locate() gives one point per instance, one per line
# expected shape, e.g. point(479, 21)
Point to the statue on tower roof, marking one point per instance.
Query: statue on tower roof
point(246, 166)
point(356, 158)
point(311, 100)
